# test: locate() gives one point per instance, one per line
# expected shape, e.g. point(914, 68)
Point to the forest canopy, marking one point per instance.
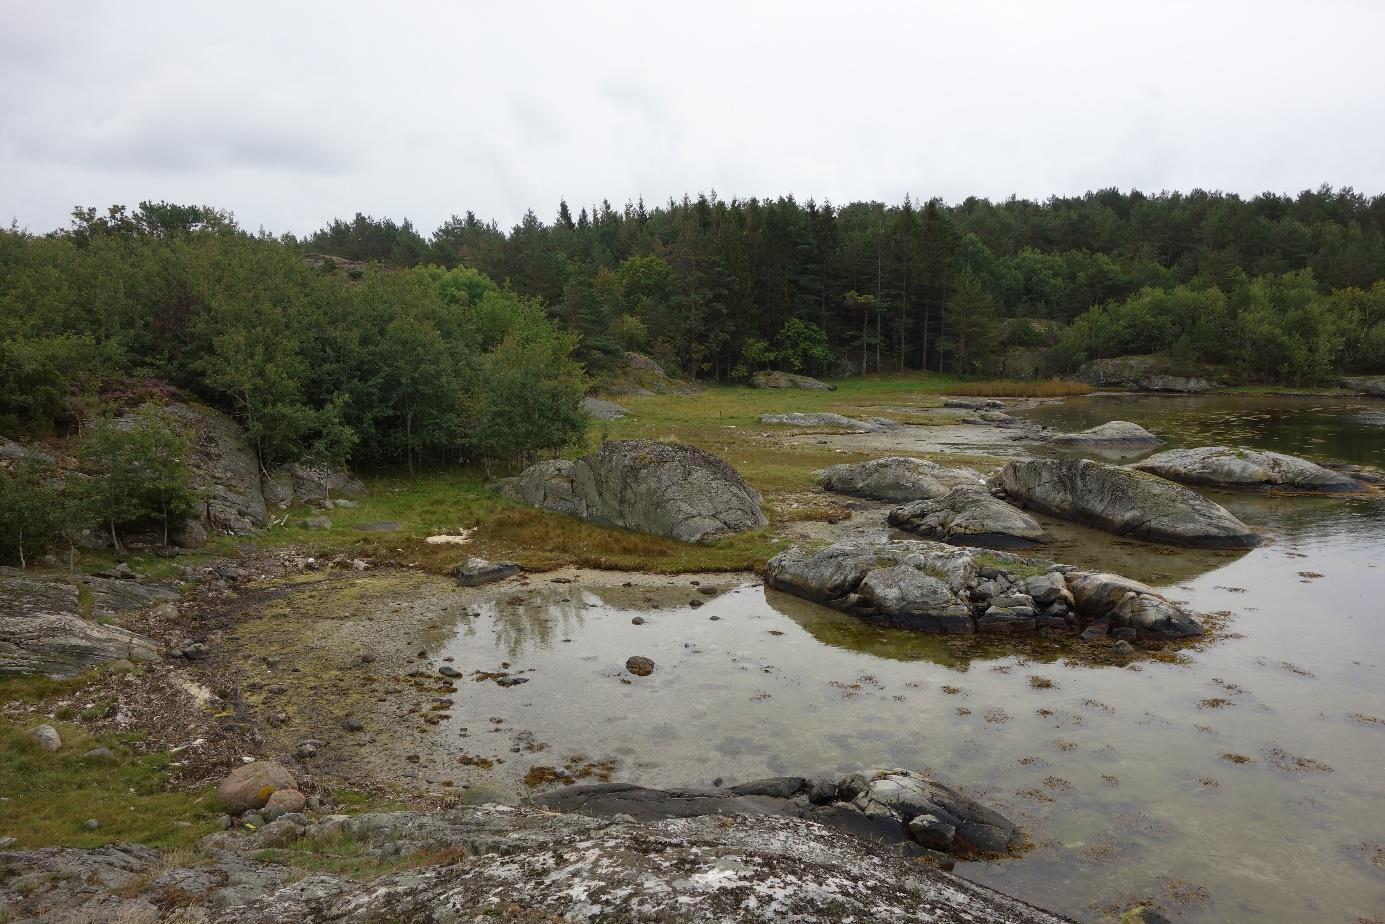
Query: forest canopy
point(370, 340)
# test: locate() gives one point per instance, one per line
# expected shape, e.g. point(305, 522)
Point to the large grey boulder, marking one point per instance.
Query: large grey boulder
point(933, 587)
point(1112, 433)
point(666, 489)
point(42, 630)
point(1224, 467)
point(896, 478)
point(788, 380)
point(1124, 502)
point(1373, 385)
point(967, 516)
point(825, 420)
point(642, 375)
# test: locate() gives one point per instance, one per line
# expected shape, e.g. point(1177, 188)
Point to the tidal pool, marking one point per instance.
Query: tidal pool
point(1242, 781)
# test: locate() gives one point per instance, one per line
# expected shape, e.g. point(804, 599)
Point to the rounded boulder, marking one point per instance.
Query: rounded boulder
point(251, 785)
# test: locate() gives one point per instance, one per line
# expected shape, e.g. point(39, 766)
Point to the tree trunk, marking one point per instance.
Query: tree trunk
point(942, 334)
point(865, 336)
point(115, 540)
point(22, 563)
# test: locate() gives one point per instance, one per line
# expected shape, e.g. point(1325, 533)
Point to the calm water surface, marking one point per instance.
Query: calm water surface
point(1244, 783)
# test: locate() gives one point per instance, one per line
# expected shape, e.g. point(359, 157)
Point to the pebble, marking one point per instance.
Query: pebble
point(7, 842)
point(353, 725)
point(447, 670)
point(1123, 649)
point(637, 621)
point(91, 824)
point(46, 737)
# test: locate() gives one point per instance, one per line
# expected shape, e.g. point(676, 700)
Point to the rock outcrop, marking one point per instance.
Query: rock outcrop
point(932, 587)
point(968, 516)
point(42, 630)
point(1124, 502)
point(1140, 373)
point(528, 864)
point(1224, 467)
point(1113, 433)
point(224, 470)
point(826, 420)
point(788, 380)
point(896, 478)
point(1373, 385)
point(665, 489)
point(302, 485)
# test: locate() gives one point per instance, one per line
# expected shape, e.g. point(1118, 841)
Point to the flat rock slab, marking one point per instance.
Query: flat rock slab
point(1125, 502)
point(1248, 469)
point(600, 409)
point(824, 420)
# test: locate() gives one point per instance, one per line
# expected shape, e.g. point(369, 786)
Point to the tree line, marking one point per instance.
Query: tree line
point(704, 284)
point(398, 365)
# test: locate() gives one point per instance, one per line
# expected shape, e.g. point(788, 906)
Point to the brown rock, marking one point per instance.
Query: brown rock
point(286, 800)
point(250, 786)
point(639, 666)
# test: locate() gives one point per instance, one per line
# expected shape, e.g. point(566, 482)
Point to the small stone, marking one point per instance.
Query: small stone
point(637, 621)
point(102, 753)
point(714, 618)
point(46, 737)
point(316, 522)
point(709, 590)
point(284, 801)
point(447, 670)
point(7, 842)
point(91, 824)
point(1125, 632)
point(510, 681)
point(252, 819)
point(353, 725)
point(477, 571)
point(1094, 632)
point(639, 666)
point(305, 751)
point(932, 831)
point(694, 603)
point(195, 652)
point(1123, 649)
point(121, 666)
point(1143, 914)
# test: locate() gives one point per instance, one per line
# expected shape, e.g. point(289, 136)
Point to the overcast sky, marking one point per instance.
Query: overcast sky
point(290, 114)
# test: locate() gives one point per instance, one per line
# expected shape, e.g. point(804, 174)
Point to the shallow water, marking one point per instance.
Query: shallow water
point(1123, 776)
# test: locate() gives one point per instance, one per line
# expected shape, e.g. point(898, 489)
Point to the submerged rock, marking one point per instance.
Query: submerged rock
point(788, 380)
point(1224, 467)
point(666, 489)
point(932, 587)
point(967, 516)
point(824, 420)
point(896, 478)
point(1124, 502)
point(1112, 433)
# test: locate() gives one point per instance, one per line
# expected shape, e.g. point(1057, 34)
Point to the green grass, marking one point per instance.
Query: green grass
point(48, 796)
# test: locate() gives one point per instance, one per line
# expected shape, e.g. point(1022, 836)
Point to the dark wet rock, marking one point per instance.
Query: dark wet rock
point(665, 489)
point(788, 380)
point(967, 516)
point(1124, 502)
point(296, 484)
point(250, 786)
point(934, 587)
point(639, 666)
point(1112, 433)
point(477, 571)
point(822, 420)
point(896, 478)
point(599, 409)
point(1224, 467)
point(1140, 373)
